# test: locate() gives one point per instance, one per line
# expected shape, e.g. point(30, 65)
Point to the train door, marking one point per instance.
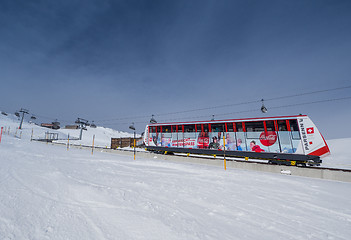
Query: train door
point(202, 136)
point(216, 141)
point(240, 136)
point(230, 141)
point(189, 136)
point(284, 137)
point(166, 140)
point(255, 134)
point(295, 136)
point(180, 135)
point(152, 136)
point(270, 137)
point(174, 136)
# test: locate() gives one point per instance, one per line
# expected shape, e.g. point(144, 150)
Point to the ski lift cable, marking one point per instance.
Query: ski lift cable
point(238, 112)
point(228, 105)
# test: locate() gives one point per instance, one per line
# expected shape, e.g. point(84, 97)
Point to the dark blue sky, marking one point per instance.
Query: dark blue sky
point(105, 60)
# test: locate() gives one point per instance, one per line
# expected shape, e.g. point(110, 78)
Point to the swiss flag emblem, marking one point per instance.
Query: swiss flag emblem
point(310, 130)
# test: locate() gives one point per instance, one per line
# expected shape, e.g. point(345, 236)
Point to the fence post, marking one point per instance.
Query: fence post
point(225, 162)
point(68, 142)
point(1, 134)
point(92, 147)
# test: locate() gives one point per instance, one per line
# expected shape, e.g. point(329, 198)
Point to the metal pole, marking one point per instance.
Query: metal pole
point(68, 142)
point(134, 145)
point(23, 111)
point(225, 162)
point(92, 148)
point(81, 132)
point(20, 127)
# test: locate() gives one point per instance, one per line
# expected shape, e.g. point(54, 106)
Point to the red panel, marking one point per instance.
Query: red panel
point(320, 152)
point(237, 120)
point(288, 125)
point(276, 125)
point(234, 127)
point(244, 129)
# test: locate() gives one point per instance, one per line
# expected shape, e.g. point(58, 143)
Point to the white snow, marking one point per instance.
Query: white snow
point(340, 156)
point(49, 192)
point(102, 135)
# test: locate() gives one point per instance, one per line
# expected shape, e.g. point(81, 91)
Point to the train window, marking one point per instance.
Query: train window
point(158, 129)
point(205, 126)
point(152, 129)
point(270, 126)
point(293, 125)
point(217, 127)
point(189, 128)
point(282, 125)
point(239, 127)
point(198, 128)
point(254, 127)
point(230, 127)
point(294, 129)
point(174, 128)
point(166, 129)
point(180, 128)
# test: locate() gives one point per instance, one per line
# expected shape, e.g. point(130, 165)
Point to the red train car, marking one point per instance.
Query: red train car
point(291, 140)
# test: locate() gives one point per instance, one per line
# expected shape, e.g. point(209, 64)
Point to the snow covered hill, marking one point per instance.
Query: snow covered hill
point(49, 192)
point(102, 135)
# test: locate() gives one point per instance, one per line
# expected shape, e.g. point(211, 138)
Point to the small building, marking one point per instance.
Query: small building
point(72, 126)
point(123, 142)
point(50, 125)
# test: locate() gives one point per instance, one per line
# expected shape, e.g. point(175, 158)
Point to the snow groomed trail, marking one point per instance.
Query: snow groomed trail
point(49, 192)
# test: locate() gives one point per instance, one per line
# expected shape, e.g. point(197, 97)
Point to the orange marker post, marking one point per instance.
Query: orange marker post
point(225, 162)
point(1, 134)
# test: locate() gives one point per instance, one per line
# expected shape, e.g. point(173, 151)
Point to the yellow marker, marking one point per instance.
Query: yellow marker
point(225, 162)
point(246, 158)
point(188, 154)
point(134, 145)
point(165, 152)
point(293, 163)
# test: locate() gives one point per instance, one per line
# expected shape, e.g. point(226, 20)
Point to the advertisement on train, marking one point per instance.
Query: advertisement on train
point(292, 135)
point(270, 141)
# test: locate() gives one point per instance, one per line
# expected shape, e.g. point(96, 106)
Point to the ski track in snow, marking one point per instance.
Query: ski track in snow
point(48, 192)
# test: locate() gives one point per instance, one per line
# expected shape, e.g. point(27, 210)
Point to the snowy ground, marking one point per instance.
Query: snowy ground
point(49, 192)
point(102, 135)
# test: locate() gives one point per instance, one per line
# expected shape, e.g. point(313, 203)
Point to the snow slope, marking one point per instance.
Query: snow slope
point(49, 192)
point(340, 156)
point(102, 135)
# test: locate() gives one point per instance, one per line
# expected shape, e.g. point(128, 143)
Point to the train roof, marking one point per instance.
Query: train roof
point(230, 120)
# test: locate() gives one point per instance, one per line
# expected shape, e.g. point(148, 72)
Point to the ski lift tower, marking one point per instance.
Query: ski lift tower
point(82, 125)
point(23, 111)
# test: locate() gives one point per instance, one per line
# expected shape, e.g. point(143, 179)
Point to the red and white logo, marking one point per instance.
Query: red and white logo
point(268, 139)
point(310, 130)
